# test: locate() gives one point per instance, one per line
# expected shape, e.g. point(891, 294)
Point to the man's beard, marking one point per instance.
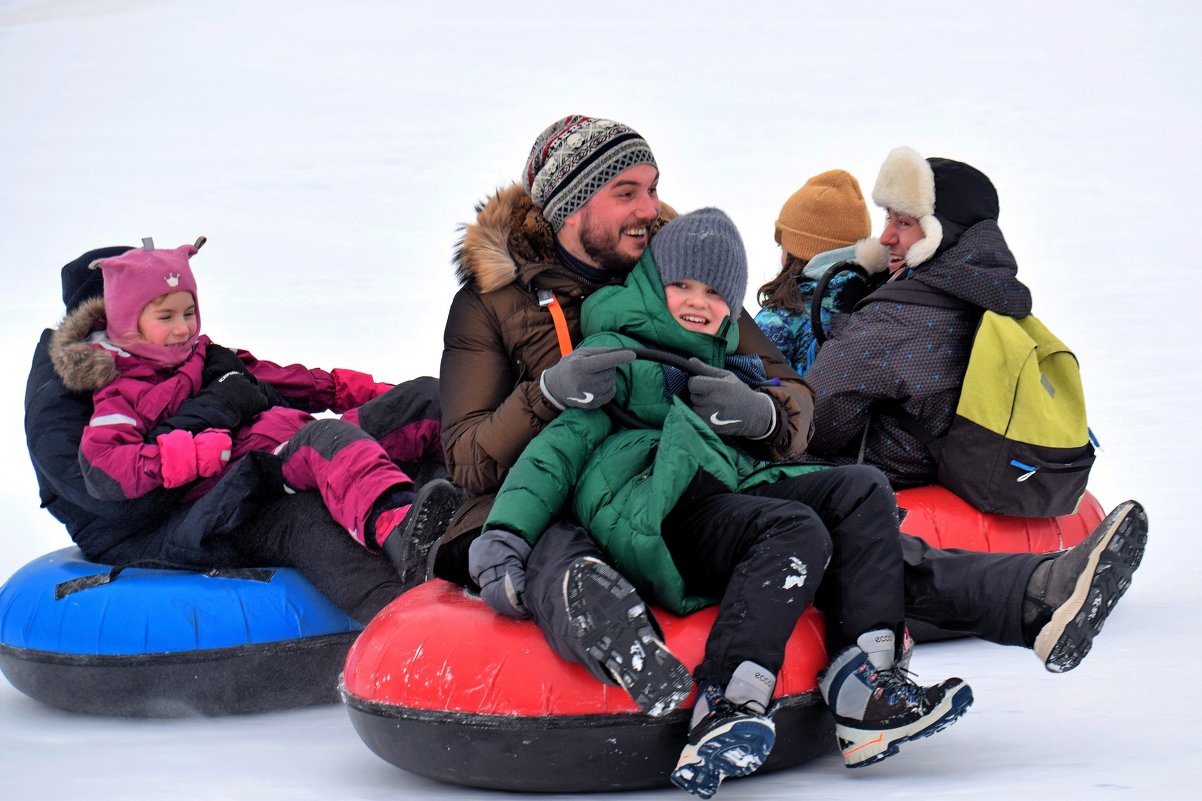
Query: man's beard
point(602, 247)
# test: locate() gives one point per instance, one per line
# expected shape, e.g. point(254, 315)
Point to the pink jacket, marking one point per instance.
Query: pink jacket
point(131, 396)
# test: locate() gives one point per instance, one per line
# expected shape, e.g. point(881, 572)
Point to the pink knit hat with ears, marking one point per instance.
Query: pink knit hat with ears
point(135, 278)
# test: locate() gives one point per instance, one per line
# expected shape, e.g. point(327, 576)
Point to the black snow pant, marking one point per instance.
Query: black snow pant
point(763, 557)
point(960, 591)
point(967, 592)
point(864, 586)
point(297, 531)
point(283, 530)
point(741, 548)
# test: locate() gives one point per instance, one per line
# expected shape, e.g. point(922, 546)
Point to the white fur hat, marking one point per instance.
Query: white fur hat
point(906, 184)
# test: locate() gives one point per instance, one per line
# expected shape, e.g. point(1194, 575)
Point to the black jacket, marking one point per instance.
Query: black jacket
point(157, 525)
point(914, 355)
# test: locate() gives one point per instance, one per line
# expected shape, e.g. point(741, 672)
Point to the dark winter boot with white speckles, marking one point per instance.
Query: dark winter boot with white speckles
point(614, 626)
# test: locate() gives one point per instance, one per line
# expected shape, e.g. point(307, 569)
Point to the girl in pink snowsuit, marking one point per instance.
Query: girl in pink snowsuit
point(141, 353)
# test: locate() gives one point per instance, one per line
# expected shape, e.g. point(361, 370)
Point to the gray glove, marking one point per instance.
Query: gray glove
point(729, 406)
point(496, 561)
point(584, 378)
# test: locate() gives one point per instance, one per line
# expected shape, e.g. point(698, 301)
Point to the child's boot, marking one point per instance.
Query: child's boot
point(878, 707)
point(407, 531)
point(613, 626)
point(731, 733)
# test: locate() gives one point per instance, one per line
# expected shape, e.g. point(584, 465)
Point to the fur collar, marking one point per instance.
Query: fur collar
point(510, 240)
point(82, 367)
point(509, 233)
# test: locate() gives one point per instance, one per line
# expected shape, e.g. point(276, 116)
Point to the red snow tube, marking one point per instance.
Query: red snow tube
point(439, 685)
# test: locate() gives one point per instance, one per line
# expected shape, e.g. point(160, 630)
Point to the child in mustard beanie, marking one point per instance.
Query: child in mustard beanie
point(819, 226)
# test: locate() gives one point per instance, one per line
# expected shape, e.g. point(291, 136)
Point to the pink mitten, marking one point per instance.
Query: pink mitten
point(352, 388)
point(213, 447)
point(177, 458)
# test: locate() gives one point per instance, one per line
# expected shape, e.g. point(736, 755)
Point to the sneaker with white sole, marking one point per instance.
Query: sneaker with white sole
point(731, 732)
point(877, 705)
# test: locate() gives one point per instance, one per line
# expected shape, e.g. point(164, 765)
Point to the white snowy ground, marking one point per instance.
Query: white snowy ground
point(329, 150)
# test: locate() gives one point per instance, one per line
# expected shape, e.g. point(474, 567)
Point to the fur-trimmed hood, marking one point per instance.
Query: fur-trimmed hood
point(81, 365)
point(510, 240)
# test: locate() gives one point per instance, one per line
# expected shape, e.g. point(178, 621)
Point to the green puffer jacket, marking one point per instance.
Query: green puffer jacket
point(623, 482)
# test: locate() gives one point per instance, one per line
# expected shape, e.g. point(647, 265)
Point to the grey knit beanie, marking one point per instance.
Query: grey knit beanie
point(704, 246)
point(576, 156)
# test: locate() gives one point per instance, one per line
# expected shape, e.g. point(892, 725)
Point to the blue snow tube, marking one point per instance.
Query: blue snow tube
point(147, 642)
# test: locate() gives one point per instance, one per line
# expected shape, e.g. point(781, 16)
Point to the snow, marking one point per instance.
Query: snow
point(329, 152)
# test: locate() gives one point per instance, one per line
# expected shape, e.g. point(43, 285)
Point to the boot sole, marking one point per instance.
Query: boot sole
point(613, 626)
point(861, 747)
point(1068, 636)
point(434, 504)
point(735, 749)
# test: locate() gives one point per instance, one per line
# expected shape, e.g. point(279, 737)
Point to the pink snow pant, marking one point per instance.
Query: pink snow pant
point(348, 468)
point(350, 462)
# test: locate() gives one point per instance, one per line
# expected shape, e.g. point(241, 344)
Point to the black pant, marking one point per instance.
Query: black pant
point(763, 556)
point(968, 592)
point(864, 587)
point(964, 591)
point(741, 548)
point(293, 531)
point(297, 531)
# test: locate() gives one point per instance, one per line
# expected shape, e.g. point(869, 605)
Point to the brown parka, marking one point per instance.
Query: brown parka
point(498, 340)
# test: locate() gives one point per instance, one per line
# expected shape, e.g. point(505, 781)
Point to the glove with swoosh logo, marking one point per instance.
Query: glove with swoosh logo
point(729, 406)
point(584, 378)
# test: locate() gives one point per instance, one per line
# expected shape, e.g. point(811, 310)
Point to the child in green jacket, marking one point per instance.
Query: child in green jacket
point(692, 520)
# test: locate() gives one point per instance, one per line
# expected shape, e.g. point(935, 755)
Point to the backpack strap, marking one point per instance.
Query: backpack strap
point(916, 293)
point(820, 292)
point(906, 420)
point(547, 299)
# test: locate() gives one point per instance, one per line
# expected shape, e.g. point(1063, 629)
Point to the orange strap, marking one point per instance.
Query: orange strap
point(547, 299)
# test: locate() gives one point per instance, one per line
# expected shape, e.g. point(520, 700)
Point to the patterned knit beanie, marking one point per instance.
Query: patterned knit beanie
point(827, 213)
point(135, 278)
point(704, 246)
point(576, 156)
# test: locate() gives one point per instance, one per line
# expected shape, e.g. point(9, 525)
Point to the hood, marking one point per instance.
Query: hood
point(511, 241)
point(979, 269)
point(80, 281)
point(869, 253)
point(81, 366)
point(85, 359)
point(638, 309)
